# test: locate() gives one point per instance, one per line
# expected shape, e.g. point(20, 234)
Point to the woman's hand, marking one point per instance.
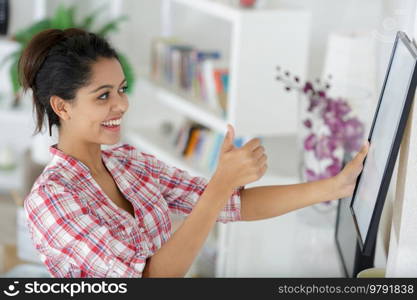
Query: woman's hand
point(346, 179)
point(240, 166)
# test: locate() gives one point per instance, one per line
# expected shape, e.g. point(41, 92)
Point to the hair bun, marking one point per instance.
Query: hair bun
point(37, 50)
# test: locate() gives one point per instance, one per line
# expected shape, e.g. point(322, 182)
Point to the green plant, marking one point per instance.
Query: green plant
point(63, 18)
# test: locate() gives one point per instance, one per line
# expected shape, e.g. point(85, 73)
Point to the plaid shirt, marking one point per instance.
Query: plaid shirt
point(80, 232)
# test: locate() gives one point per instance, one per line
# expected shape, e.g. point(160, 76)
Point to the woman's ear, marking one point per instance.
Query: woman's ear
point(60, 107)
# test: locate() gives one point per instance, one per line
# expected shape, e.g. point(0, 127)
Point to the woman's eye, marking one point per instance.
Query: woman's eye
point(105, 95)
point(124, 89)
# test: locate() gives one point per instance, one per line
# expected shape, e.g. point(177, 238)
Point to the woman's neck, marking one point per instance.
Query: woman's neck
point(88, 153)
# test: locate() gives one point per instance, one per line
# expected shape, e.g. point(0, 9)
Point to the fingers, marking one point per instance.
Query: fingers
point(365, 147)
point(228, 139)
point(258, 152)
point(262, 159)
point(357, 161)
point(263, 169)
point(252, 144)
point(363, 152)
point(231, 131)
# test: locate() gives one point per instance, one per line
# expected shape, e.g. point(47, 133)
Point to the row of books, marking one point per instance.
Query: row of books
point(200, 74)
point(200, 145)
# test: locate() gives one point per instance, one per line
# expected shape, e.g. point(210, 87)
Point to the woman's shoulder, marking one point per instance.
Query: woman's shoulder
point(49, 196)
point(52, 182)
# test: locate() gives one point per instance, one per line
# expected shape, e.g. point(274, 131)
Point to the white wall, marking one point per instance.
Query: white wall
point(331, 15)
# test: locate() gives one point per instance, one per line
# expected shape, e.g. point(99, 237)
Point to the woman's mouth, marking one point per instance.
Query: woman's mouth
point(112, 125)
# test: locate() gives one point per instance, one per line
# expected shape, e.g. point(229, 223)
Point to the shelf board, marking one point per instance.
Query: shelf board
point(212, 8)
point(191, 109)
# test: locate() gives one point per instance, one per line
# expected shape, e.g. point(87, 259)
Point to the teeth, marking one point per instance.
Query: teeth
point(112, 122)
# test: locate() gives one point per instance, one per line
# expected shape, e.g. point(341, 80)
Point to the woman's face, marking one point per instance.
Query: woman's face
point(97, 112)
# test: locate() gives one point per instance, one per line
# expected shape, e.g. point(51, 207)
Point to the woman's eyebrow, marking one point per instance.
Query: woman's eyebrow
point(106, 86)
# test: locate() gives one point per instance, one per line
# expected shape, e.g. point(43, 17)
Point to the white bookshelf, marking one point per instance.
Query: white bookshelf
point(257, 104)
point(259, 41)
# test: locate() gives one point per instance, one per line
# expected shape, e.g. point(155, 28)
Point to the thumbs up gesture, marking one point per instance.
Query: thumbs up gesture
point(240, 166)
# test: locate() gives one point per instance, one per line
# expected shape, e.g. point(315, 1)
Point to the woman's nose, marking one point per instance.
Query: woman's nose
point(121, 104)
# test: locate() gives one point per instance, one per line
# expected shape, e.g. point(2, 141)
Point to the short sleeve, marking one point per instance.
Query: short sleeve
point(72, 236)
point(182, 191)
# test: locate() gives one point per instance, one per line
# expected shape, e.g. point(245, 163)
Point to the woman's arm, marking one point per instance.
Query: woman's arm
point(236, 167)
point(270, 201)
point(265, 202)
point(175, 257)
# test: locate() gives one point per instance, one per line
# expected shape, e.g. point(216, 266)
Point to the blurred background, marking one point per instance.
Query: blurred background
point(302, 75)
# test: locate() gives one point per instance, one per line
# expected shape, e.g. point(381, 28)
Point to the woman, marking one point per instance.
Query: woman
point(96, 213)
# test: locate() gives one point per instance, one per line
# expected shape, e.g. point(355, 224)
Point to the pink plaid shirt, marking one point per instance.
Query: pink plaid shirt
point(80, 232)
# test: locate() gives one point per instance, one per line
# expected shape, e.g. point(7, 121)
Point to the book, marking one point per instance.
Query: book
point(158, 50)
point(195, 132)
point(220, 89)
point(200, 74)
point(202, 139)
point(192, 126)
point(210, 85)
point(183, 137)
point(208, 150)
point(215, 152)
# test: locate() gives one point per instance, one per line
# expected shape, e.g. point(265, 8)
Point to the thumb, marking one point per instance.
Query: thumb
point(363, 152)
point(228, 139)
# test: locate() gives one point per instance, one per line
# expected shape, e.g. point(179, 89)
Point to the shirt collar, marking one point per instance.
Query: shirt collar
point(71, 161)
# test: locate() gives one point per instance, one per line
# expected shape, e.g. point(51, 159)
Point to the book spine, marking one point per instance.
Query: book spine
point(216, 151)
point(207, 148)
point(210, 84)
point(192, 143)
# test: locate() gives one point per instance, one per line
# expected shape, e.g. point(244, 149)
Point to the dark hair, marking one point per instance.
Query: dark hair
point(58, 62)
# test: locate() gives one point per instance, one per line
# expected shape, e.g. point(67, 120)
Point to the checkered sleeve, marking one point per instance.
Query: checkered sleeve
point(182, 191)
point(76, 236)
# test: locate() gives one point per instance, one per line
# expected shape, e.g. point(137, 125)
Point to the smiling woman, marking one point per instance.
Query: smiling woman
point(96, 213)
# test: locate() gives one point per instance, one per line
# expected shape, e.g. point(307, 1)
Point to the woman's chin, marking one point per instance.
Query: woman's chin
point(110, 142)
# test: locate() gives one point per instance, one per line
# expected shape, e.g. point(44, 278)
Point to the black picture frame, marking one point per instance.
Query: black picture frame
point(367, 243)
point(351, 258)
